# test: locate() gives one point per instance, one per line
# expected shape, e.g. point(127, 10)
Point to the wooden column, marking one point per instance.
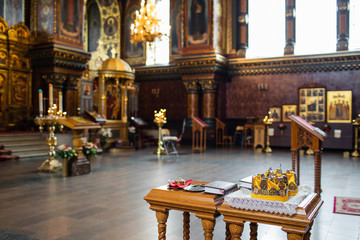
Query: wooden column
point(242, 36)
point(192, 90)
point(290, 27)
point(71, 102)
point(101, 96)
point(342, 25)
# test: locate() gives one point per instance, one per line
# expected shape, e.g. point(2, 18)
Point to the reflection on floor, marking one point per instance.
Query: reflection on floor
point(109, 204)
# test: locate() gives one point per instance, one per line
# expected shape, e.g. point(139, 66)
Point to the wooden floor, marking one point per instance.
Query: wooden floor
point(108, 203)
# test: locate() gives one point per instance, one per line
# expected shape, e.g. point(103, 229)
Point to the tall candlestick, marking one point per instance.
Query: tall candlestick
point(50, 95)
point(60, 101)
point(41, 108)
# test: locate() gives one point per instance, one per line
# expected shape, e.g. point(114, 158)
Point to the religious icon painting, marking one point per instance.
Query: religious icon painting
point(339, 106)
point(287, 111)
point(275, 114)
point(197, 22)
point(312, 104)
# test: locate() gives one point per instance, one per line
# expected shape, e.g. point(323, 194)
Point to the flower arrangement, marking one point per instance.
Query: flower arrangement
point(89, 149)
point(104, 134)
point(282, 127)
point(326, 128)
point(64, 151)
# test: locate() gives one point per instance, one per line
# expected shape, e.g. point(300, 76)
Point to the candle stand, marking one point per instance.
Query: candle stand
point(356, 124)
point(160, 120)
point(51, 164)
point(267, 121)
point(267, 148)
point(160, 149)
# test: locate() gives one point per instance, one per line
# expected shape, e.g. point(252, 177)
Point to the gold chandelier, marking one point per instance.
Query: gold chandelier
point(146, 26)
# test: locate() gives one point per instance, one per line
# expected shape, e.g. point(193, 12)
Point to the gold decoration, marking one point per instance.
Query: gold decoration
point(146, 27)
point(274, 185)
point(160, 120)
point(268, 120)
point(51, 164)
point(356, 124)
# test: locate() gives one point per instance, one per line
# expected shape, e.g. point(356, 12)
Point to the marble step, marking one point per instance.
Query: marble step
point(4, 152)
point(25, 145)
point(9, 158)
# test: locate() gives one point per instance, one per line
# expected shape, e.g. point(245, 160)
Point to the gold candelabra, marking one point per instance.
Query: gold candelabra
point(51, 164)
point(146, 26)
point(268, 120)
point(356, 124)
point(160, 120)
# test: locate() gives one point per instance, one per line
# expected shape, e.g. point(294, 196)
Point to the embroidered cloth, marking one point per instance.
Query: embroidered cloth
point(241, 199)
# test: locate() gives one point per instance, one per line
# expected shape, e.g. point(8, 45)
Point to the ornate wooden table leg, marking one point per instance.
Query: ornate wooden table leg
point(236, 231)
point(227, 232)
point(294, 236)
point(293, 154)
point(298, 167)
point(208, 226)
point(162, 218)
point(307, 234)
point(253, 231)
point(317, 164)
point(186, 230)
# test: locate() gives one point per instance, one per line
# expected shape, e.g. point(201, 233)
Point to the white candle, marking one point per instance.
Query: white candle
point(41, 108)
point(50, 95)
point(60, 101)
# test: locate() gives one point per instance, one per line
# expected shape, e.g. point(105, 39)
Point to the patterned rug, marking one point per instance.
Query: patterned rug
point(346, 205)
point(4, 235)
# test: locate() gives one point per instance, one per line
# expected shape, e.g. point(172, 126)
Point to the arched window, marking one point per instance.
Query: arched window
point(354, 28)
point(266, 28)
point(158, 52)
point(315, 27)
point(93, 27)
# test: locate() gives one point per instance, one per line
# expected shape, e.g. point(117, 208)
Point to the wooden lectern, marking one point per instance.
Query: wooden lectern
point(304, 134)
point(199, 129)
point(221, 137)
point(78, 126)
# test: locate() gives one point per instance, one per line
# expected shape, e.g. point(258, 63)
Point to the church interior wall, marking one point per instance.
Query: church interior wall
point(164, 94)
point(244, 99)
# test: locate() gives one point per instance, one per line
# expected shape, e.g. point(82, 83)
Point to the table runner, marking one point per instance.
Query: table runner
point(241, 199)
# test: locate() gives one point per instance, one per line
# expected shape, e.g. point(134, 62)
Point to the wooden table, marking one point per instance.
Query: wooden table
point(297, 226)
point(204, 205)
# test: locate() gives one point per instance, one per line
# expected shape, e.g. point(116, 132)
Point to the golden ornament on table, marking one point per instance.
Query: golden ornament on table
point(274, 185)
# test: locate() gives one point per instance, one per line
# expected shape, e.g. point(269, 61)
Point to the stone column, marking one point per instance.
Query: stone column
point(342, 25)
point(208, 88)
point(242, 36)
point(192, 90)
point(290, 27)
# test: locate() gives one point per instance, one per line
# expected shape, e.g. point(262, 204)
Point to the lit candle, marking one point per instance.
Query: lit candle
point(50, 95)
point(41, 108)
point(60, 101)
